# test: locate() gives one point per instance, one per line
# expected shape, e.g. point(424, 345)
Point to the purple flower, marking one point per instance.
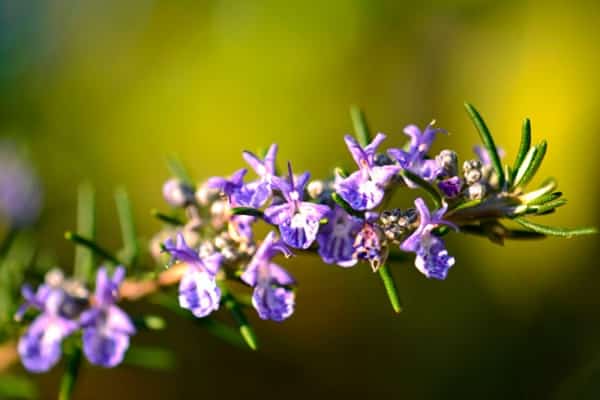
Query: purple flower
point(40, 346)
point(238, 193)
point(369, 243)
point(271, 298)
point(365, 188)
point(298, 220)
point(450, 187)
point(20, 192)
point(414, 159)
point(265, 169)
point(336, 238)
point(432, 257)
point(106, 328)
point(198, 290)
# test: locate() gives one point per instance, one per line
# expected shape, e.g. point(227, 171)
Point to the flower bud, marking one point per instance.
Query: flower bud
point(177, 193)
point(448, 161)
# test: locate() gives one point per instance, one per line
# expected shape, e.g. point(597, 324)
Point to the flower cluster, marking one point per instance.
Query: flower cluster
point(209, 241)
point(65, 307)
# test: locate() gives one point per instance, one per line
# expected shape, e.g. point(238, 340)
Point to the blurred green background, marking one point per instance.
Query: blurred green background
point(105, 90)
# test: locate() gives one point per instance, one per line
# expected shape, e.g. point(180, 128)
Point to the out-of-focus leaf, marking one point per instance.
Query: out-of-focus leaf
point(69, 378)
point(168, 219)
point(93, 246)
point(17, 387)
point(235, 308)
point(155, 358)
point(130, 251)
point(86, 227)
point(150, 322)
point(213, 326)
point(361, 127)
point(178, 170)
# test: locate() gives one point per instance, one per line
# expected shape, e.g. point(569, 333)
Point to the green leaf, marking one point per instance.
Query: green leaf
point(488, 142)
point(539, 194)
point(341, 172)
point(431, 191)
point(524, 167)
point(549, 206)
point(178, 170)
point(7, 240)
point(390, 288)
point(130, 251)
point(514, 234)
point(555, 231)
point(150, 322)
point(238, 315)
point(168, 219)
point(540, 153)
point(17, 387)
point(361, 128)
point(523, 147)
point(69, 378)
point(154, 358)
point(92, 246)
point(86, 226)
point(252, 212)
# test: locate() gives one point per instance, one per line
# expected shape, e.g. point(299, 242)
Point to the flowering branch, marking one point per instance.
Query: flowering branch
point(211, 254)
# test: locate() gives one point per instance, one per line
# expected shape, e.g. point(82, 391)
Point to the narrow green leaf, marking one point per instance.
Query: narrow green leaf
point(488, 141)
point(86, 226)
point(150, 322)
point(69, 378)
point(17, 387)
point(515, 234)
point(154, 358)
point(431, 191)
point(466, 204)
point(524, 167)
point(535, 163)
point(545, 199)
point(252, 212)
point(550, 206)
point(523, 147)
point(555, 231)
point(93, 246)
point(178, 170)
point(390, 288)
point(131, 249)
point(545, 188)
point(168, 219)
point(361, 128)
point(238, 315)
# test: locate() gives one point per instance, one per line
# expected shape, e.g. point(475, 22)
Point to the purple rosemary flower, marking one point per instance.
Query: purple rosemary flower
point(238, 193)
point(265, 169)
point(451, 187)
point(106, 327)
point(20, 192)
point(369, 244)
point(40, 346)
point(298, 220)
point(336, 238)
point(271, 297)
point(414, 159)
point(432, 257)
point(365, 188)
point(198, 290)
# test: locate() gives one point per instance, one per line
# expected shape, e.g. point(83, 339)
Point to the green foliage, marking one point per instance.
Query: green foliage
point(86, 227)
